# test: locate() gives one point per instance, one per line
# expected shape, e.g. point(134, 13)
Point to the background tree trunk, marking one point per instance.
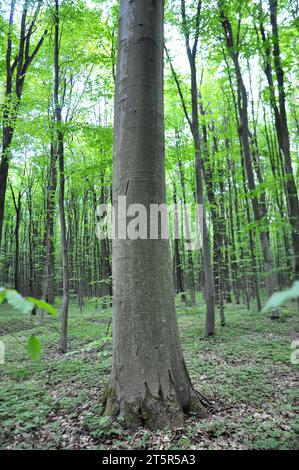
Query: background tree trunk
point(59, 149)
point(258, 210)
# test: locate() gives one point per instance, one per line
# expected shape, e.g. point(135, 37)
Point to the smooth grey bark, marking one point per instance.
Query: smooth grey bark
point(149, 384)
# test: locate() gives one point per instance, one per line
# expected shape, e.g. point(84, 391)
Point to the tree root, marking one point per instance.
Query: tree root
point(153, 412)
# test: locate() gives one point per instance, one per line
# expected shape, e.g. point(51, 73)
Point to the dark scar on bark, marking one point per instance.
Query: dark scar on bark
point(127, 187)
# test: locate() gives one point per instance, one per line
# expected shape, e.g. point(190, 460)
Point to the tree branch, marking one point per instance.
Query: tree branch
point(179, 89)
point(197, 22)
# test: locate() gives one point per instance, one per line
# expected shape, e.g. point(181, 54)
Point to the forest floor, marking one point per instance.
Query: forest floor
point(245, 370)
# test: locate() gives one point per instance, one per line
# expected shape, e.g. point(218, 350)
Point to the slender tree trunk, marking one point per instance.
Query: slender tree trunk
point(194, 124)
point(105, 270)
point(217, 214)
point(49, 271)
point(244, 132)
point(18, 207)
point(59, 149)
point(281, 125)
point(8, 128)
point(190, 269)
point(206, 247)
point(209, 289)
point(51, 206)
point(64, 249)
point(30, 287)
point(177, 255)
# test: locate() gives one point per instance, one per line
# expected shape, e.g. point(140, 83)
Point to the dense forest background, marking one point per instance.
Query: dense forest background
point(262, 59)
point(231, 143)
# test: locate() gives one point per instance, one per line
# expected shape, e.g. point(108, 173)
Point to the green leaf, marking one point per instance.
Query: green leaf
point(18, 302)
point(3, 293)
point(44, 305)
point(34, 347)
point(26, 305)
point(279, 298)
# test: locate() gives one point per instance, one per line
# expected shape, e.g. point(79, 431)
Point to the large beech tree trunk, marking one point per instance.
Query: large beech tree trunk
point(149, 383)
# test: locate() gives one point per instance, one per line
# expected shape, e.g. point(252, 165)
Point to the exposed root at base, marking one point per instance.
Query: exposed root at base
point(152, 412)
